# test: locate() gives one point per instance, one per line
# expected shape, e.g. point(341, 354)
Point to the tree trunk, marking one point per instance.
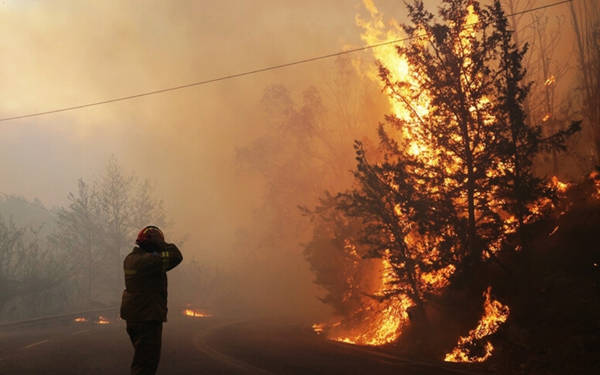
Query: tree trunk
point(471, 229)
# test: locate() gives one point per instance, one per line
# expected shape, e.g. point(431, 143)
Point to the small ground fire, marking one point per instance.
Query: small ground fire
point(102, 320)
point(195, 313)
point(495, 314)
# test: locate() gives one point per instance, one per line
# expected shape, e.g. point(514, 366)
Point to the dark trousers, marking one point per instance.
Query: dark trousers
point(146, 338)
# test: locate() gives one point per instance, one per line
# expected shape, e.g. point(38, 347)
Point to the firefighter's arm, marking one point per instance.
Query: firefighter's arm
point(171, 257)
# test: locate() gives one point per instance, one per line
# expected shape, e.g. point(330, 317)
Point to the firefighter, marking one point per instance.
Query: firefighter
point(144, 303)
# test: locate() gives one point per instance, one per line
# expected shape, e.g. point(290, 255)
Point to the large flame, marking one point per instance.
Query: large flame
point(375, 31)
point(495, 313)
point(380, 322)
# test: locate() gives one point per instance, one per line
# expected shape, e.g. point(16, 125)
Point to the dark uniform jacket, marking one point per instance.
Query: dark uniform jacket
point(145, 294)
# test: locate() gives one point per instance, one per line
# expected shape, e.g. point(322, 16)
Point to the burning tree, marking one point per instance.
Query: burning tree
point(467, 146)
point(454, 185)
point(456, 175)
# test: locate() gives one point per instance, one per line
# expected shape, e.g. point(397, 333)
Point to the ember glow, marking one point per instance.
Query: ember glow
point(550, 80)
point(318, 328)
point(195, 313)
point(494, 315)
point(595, 177)
point(80, 319)
point(102, 320)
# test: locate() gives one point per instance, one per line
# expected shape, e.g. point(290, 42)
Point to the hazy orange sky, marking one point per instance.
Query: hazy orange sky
point(63, 53)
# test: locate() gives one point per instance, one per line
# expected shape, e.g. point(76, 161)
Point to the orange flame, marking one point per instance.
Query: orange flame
point(102, 320)
point(438, 279)
point(318, 328)
point(381, 321)
point(195, 314)
point(80, 319)
point(385, 326)
point(495, 314)
point(595, 177)
point(559, 185)
point(376, 31)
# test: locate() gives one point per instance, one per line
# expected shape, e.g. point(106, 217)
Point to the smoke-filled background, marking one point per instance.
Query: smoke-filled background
point(232, 160)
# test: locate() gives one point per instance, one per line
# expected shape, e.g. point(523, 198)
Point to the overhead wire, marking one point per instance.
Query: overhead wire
point(245, 73)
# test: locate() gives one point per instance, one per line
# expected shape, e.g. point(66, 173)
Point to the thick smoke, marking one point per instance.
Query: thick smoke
point(187, 143)
point(213, 152)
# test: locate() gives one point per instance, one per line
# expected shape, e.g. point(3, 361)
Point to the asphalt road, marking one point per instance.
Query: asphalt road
point(195, 346)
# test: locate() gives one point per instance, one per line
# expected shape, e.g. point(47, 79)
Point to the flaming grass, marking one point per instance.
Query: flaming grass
point(495, 314)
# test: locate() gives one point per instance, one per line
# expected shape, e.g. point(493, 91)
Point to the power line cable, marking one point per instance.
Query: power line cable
point(539, 8)
point(246, 73)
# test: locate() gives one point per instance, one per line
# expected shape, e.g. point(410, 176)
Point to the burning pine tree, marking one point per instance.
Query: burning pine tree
point(451, 186)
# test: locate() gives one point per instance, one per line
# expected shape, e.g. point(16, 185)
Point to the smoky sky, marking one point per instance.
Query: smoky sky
point(63, 53)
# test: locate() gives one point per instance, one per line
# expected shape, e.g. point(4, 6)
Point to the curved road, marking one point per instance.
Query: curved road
point(195, 346)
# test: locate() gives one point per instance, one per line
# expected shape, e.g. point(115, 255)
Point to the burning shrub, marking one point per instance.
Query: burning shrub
point(454, 188)
point(495, 313)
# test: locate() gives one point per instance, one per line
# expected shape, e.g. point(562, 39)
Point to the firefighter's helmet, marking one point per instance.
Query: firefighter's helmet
point(150, 235)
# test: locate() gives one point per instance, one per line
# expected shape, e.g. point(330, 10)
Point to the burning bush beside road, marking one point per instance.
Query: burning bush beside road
point(449, 203)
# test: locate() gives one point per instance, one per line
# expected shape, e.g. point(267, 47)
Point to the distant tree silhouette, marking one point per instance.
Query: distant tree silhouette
point(28, 268)
point(99, 226)
point(80, 233)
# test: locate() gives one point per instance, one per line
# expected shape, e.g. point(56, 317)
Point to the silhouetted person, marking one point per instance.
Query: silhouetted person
point(144, 303)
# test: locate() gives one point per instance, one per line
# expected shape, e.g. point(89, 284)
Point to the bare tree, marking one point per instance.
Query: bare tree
point(80, 232)
point(585, 17)
point(114, 196)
